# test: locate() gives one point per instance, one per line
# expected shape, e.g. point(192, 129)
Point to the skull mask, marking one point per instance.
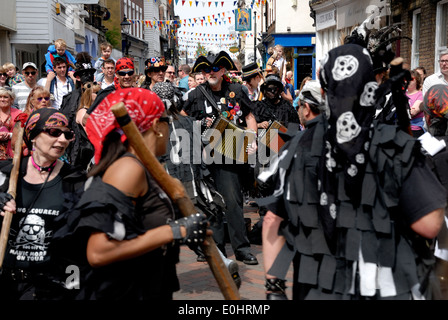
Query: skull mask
point(344, 67)
point(368, 96)
point(347, 128)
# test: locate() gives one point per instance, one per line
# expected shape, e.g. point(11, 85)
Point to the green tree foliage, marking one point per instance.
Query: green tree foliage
point(114, 37)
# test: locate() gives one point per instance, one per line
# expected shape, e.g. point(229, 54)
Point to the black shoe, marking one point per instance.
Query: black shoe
point(247, 258)
point(201, 258)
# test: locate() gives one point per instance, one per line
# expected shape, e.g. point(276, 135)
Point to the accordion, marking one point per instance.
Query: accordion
point(270, 137)
point(227, 139)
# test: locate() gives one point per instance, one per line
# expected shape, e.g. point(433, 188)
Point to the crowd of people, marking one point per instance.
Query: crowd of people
point(347, 194)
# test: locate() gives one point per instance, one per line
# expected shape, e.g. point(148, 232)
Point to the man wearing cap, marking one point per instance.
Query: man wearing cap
point(310, 102)
point(252, 77)
point(230, 101)
point(23, 89)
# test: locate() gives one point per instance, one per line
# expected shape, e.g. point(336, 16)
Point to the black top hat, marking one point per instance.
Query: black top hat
point(82, 68)
point(250, 70)
point(272, 79)
point(222, 59)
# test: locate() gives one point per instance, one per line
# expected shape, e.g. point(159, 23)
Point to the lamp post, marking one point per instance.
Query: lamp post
point(255, 36)
point(125, 43)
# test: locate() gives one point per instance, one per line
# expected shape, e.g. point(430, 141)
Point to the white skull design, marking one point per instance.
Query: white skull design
point(333, 211)
point(360, 158)
point(323, 199)
point(330, 162)
point(352, 171)
point(32, 230)
point(344, 67)
point(346, 127)
point(368, 96)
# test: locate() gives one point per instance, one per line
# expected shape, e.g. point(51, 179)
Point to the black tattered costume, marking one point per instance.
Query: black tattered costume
point(348, 190)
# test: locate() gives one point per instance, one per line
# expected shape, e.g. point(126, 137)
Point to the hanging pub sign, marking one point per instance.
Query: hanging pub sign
point(243, 19)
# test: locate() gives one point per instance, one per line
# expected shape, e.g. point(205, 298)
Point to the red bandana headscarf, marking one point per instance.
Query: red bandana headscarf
point(142, 105)
point(122, 63)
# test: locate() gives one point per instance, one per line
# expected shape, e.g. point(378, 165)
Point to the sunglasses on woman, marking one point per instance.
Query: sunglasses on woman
point(43, 98)
point(56, 133)
point(210, 69)
point(3, 74)
point(124, 73)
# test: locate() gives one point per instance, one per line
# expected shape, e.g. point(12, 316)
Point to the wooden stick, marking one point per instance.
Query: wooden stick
point(12, 191)
point(175, 190)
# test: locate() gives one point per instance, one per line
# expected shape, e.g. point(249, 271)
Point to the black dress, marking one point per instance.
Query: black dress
point(103, 208)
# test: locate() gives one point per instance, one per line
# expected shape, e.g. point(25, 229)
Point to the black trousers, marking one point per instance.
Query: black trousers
point(228, 180)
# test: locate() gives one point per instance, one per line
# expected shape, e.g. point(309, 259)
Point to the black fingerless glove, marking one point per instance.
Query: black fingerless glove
point(4, 197)
point(275, 289)
point(195, 225)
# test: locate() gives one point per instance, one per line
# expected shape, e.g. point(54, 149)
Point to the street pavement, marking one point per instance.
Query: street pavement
point(198, 283)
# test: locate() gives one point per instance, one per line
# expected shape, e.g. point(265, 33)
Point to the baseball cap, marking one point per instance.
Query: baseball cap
point(29, 64)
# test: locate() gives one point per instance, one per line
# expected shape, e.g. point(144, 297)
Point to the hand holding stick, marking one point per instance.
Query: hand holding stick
point(175, 190)
point(12, 191)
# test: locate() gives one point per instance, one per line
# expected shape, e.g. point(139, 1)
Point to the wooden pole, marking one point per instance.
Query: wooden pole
point(175, 190)
point(12, 191)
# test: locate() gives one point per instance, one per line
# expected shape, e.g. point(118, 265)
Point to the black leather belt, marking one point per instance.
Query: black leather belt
point(20, 274)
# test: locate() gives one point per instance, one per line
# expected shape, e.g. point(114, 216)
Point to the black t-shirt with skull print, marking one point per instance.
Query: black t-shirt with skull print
point(31, 232)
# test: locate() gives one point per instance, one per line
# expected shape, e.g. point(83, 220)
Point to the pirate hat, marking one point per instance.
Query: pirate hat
point(250, 70)
point(221, 59)
point(155, 62)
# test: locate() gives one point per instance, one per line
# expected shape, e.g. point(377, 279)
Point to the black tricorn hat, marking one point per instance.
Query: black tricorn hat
point(221, 59)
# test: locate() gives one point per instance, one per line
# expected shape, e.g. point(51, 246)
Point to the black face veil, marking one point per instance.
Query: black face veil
point(347, 77)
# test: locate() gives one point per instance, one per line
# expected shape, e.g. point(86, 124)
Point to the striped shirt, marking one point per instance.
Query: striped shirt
point(22, 91)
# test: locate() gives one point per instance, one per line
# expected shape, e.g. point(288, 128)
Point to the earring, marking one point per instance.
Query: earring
point(160, 135)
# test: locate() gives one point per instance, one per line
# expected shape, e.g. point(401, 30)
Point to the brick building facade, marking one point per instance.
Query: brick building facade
point(428, 33)
point(404, 11)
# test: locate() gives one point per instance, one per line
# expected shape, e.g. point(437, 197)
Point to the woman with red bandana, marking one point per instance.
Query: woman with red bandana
point(125, 220)
point(29, 270)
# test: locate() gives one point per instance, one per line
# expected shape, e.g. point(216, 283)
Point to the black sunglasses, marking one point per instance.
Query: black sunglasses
point(168, 119)
point(55, 132)
point(273, 90)
point(43, 98)
point(4, 74)
point(30, 72)
point(210, 69)
point(124, 73)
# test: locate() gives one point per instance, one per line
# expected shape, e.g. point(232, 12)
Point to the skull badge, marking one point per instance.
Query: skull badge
point(347, 128)
point(344, 67)
point(368, 96)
